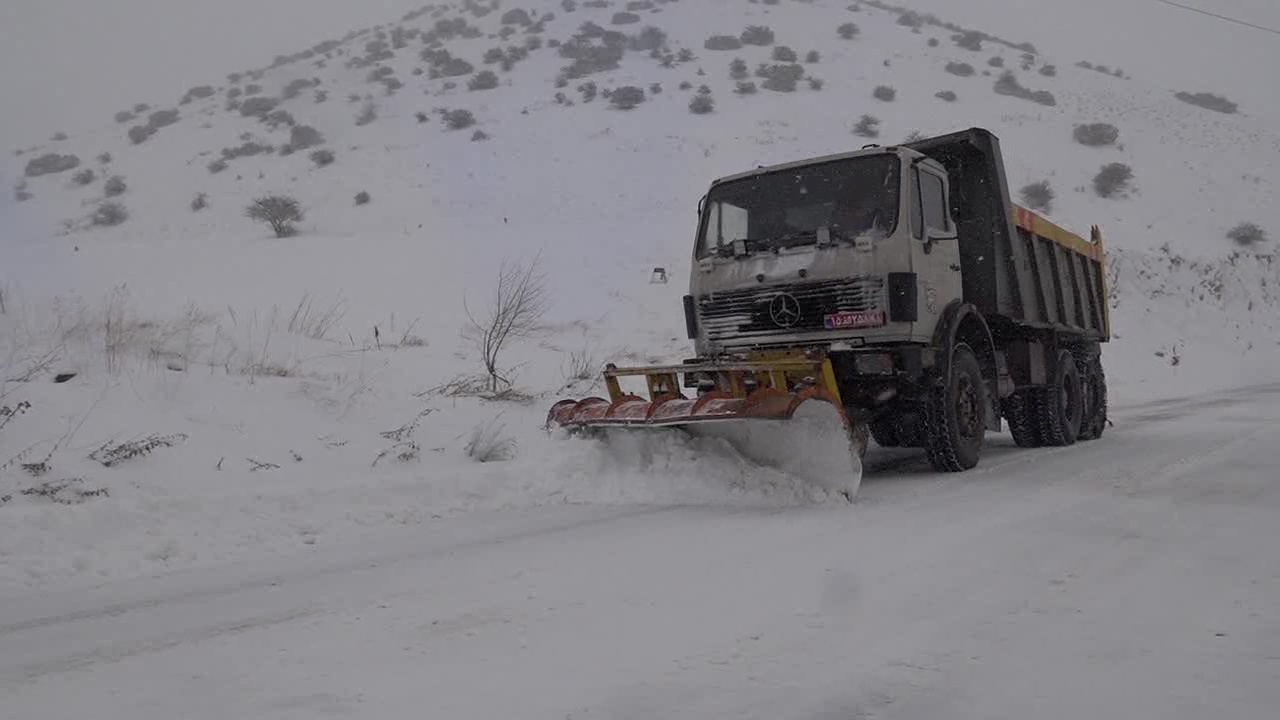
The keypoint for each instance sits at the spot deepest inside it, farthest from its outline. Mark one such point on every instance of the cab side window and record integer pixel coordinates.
(934, 202)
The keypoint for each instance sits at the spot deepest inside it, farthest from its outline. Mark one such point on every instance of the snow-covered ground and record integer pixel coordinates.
(1130, 577)
(301, 392)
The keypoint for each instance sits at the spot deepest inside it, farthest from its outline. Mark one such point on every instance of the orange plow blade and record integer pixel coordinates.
(804, 432)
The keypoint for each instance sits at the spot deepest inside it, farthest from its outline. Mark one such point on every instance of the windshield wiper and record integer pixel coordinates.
(775, 243)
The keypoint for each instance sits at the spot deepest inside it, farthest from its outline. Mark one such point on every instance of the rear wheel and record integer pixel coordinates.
(954, 415)
(1022, 410)
(1063, 408)
(1095, 387)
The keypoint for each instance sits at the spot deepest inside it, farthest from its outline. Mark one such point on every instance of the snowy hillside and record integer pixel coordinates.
(276, 371)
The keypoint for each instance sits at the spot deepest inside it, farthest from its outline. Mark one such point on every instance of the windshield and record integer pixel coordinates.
(786, 208)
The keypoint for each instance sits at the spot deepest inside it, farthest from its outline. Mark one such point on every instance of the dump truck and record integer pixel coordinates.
(890, 293)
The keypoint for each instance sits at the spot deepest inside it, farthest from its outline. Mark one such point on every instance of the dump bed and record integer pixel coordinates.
(1018, 268)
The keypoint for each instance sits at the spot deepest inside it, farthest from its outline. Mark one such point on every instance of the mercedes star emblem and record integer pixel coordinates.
(784, 310)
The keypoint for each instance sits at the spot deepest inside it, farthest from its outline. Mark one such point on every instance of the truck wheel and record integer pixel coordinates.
(1095, 386)
(1022, 409)
(1063, 409)
(954, 422)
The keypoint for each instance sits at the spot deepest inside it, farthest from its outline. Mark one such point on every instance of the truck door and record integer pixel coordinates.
(935, 252)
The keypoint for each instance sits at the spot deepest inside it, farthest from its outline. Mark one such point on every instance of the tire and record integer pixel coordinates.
(1095, 387)
(955, 423)
(1063, 409)
(1022, 411)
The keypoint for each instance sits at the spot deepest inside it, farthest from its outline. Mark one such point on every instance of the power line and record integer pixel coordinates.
(1221, 17)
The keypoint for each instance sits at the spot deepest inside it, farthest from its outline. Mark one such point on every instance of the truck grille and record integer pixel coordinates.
(746, 314)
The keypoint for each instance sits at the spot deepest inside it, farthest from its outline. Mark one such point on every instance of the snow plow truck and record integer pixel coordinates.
(894, 293)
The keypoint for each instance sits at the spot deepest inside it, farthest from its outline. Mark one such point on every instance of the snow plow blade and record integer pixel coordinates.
(783, 413)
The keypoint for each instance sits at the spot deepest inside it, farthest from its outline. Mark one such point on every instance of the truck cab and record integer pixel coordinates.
(850, 250)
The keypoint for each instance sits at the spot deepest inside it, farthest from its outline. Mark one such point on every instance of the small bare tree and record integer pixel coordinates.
(279, 211)
(519, 302)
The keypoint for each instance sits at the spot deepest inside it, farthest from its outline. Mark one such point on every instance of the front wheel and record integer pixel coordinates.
(955, 420)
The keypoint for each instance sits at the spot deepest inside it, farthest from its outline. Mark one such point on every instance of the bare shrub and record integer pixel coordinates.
(738, 69)
(722, 42)
(1208, 101)
(322, 158)
(258, 106)
(1008, 85)
(815, 83)
(960, 69)
(50, 163)
(276, 118)
(84, 177)
(782, 53)
(885, 93)
(1113, 179)
(111, 453)
(813, 56)
(249, 148)
(489, 443)
(746, 88)
(367, 114)
(589, 91)
(199, 202)
(757, 35)
(848, 31)
(199, 92)
(519, 302)
(996, 62)
(1038, 196)
(910, 19)
(139, 134)
(362, 198)
(21, 193)
(105, 158)
(702, 105)
(627, 97)
(162, 118)
(1247, 233)
(479, 136)
(1096, 134)
(302, 137)
(1049, 70)
(969, 40)
(516, 16)
(278, 211)
(780, 78)
(458, 119)
(483, 80)
(109, 214)
(868, 126)
(114, 186)
(295, 87)
(651, 39)
(945, 95)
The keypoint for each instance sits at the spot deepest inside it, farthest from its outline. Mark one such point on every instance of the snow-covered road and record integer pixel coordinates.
(1132, 577)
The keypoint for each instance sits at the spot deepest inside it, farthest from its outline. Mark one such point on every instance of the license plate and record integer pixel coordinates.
(862, 319)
